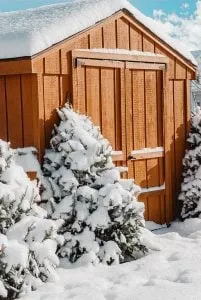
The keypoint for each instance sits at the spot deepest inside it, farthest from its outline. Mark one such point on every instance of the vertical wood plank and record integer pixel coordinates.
(123, 34)
(107, 104)
(52, 62)
(168, 122)
(180, 70)
(80, 81)
(14, 111)
(51, 101)
(109, 35)
(118, 112)
(180, 131)
(96, 38)
(148, 44)
(129, 121)
(160, 104)
(65, 89)
(170, 139)
(135, 39)
(41, 114)
(93, 108)
(35, 113)
(123, 118)
(139, 129)
(27, 110)
(152, 142)
(3, 110)
(171, 60)
(188, 105)
(139, 124)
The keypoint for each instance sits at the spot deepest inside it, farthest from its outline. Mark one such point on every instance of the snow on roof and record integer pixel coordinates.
(27, 32)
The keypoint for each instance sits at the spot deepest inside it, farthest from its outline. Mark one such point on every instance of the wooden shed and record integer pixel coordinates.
(140, 95)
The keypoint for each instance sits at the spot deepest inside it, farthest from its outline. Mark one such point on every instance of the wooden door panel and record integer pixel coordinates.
(108, 105)
(144, 127)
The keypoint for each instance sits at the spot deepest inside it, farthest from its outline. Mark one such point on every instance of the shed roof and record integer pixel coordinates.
(28, 32)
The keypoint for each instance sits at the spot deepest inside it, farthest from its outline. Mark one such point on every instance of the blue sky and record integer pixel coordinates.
(147, 6)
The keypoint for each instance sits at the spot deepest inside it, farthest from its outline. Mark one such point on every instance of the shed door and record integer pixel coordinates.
(126, 100)
(144, 131)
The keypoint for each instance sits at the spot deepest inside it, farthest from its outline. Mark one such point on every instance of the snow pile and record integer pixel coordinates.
(28, 241)
(27, 159)
(191, 186)
(25, 33)
(102, 217)
(172, 272)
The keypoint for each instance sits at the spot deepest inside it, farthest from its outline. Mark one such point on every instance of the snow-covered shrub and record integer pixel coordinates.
(190, 196)
(102, 217)
(28, 241)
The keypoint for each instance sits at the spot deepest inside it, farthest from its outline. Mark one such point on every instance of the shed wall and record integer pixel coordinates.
(18, 109)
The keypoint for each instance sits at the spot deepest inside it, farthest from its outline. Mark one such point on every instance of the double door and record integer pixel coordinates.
(125, 98)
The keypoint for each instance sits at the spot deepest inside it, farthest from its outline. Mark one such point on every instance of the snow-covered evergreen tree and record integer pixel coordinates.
(28, 242)
(190, 196)
(103, 218)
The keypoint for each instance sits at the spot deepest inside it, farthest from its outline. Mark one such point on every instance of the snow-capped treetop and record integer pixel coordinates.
(25, 33)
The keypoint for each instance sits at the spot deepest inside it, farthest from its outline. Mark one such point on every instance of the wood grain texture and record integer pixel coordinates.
(180, 70)
(27, 110)
(93, 105)
(135, 39)
(41, 115)
(53, 63)
(14, 111)
(129, 120)
(95, 38)
(117, 108)
(51, 101)
(180, 131)
(107, 102)
(152, 141)
(139, 124)
(65, 89)
(109, 35)
(3, 110)
(148, 44)
(123, 31)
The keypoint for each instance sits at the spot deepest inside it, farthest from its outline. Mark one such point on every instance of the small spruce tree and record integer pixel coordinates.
(102, 217)
(28, 241)
(190, 196)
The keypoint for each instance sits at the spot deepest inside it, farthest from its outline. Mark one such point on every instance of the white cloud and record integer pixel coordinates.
(158, 13)
(185, 5)
(182, 27)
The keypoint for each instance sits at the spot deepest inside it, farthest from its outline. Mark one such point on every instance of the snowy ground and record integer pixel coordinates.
(171, 271)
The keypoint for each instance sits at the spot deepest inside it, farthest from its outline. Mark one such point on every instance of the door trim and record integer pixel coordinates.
(107, 54)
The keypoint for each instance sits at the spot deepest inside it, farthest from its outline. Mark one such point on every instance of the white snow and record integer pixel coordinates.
(25, 33)
(147, 150)
(3, 291)
(170, 272)
(153, 189)
(27, 159)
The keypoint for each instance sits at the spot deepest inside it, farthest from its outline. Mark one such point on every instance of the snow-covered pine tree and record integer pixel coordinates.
(190, 196)
(102, 217)
(28, 242)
